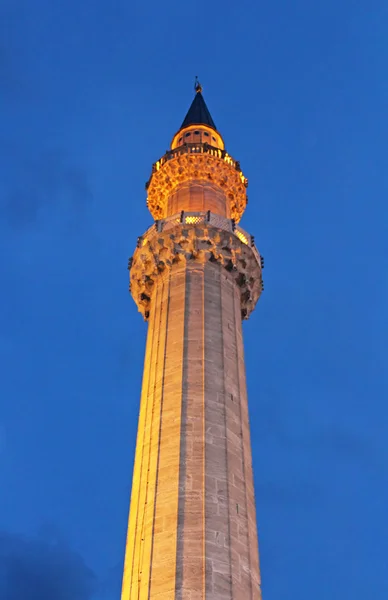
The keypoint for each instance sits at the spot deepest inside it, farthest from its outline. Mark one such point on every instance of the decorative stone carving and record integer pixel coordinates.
(158, 252)
(195, 167)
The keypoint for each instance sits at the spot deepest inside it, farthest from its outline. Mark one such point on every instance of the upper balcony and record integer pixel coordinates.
(196, 162)
(201, 148)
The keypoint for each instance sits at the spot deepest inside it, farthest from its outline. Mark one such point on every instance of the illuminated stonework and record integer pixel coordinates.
(195, 275)
(160, 251)
(188, 164)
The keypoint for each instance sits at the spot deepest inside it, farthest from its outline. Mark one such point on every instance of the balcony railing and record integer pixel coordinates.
(194, 218)
(202, 148)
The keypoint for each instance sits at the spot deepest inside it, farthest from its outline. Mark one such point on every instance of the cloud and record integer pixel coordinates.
(49, 181)
(42, 569)
(348, 445)
(298, 492)
(301, 431)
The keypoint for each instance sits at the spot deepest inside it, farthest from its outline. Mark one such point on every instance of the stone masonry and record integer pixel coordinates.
(192, 527)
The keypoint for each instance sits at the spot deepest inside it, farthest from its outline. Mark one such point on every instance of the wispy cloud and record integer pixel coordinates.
(346, 444)
(41, 569)
(49, 181)
(299, 492)
(335, 440)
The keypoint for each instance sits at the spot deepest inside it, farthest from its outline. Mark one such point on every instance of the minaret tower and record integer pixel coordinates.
(194, 276)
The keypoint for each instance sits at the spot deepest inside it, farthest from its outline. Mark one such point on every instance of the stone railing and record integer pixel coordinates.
(196, 162)
(194, 218)
(199, 237)
(202, 148)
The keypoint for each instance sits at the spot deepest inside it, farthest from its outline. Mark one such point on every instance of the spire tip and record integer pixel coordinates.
(197, 85)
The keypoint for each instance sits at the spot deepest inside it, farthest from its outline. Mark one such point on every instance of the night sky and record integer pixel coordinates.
(91, 93)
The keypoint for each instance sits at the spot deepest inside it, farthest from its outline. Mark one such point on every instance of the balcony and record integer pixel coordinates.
(194, 218)
(202, 148)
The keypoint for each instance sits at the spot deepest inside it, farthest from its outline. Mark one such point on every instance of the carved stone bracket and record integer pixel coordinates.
(191, 167)
(160, 251)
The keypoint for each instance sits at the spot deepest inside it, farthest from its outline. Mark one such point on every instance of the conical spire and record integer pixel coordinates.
(198, 113)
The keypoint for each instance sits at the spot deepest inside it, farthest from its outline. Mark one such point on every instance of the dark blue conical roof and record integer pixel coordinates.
(198, 113)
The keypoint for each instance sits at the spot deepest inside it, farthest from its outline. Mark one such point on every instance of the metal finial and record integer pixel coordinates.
(197, 85)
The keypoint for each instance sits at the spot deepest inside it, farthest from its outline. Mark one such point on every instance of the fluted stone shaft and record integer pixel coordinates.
(192, 527)
(198, 196)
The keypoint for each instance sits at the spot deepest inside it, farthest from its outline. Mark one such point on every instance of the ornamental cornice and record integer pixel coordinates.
(159, 252)
(196, 163)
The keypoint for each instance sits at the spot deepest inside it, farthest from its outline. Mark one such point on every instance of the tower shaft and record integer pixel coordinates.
(192, 528)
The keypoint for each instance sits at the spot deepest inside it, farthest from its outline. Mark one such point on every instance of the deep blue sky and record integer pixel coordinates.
(91, 93)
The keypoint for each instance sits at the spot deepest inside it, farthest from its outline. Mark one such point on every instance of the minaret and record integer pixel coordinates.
(194, 276)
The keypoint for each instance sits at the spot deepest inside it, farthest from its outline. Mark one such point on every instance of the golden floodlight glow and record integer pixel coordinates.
(192, 220)
(241, 237)
(194, 276)
(181, 167)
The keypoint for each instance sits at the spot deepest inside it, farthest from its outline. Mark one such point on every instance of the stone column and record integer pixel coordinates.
(192, 527)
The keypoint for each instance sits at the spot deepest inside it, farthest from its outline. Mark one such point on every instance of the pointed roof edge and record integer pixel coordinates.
(198, 113)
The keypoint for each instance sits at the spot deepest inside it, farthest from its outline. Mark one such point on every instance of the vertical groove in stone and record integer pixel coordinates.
(163, 574)
(252, 538)
(161, 310)
(242, 399)
(190, 525)
(224, 327)
(217, 509)
(136, 480)
(234, 442)
(137, 577)
(182, 462)
(203, 444)
(159, 425)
